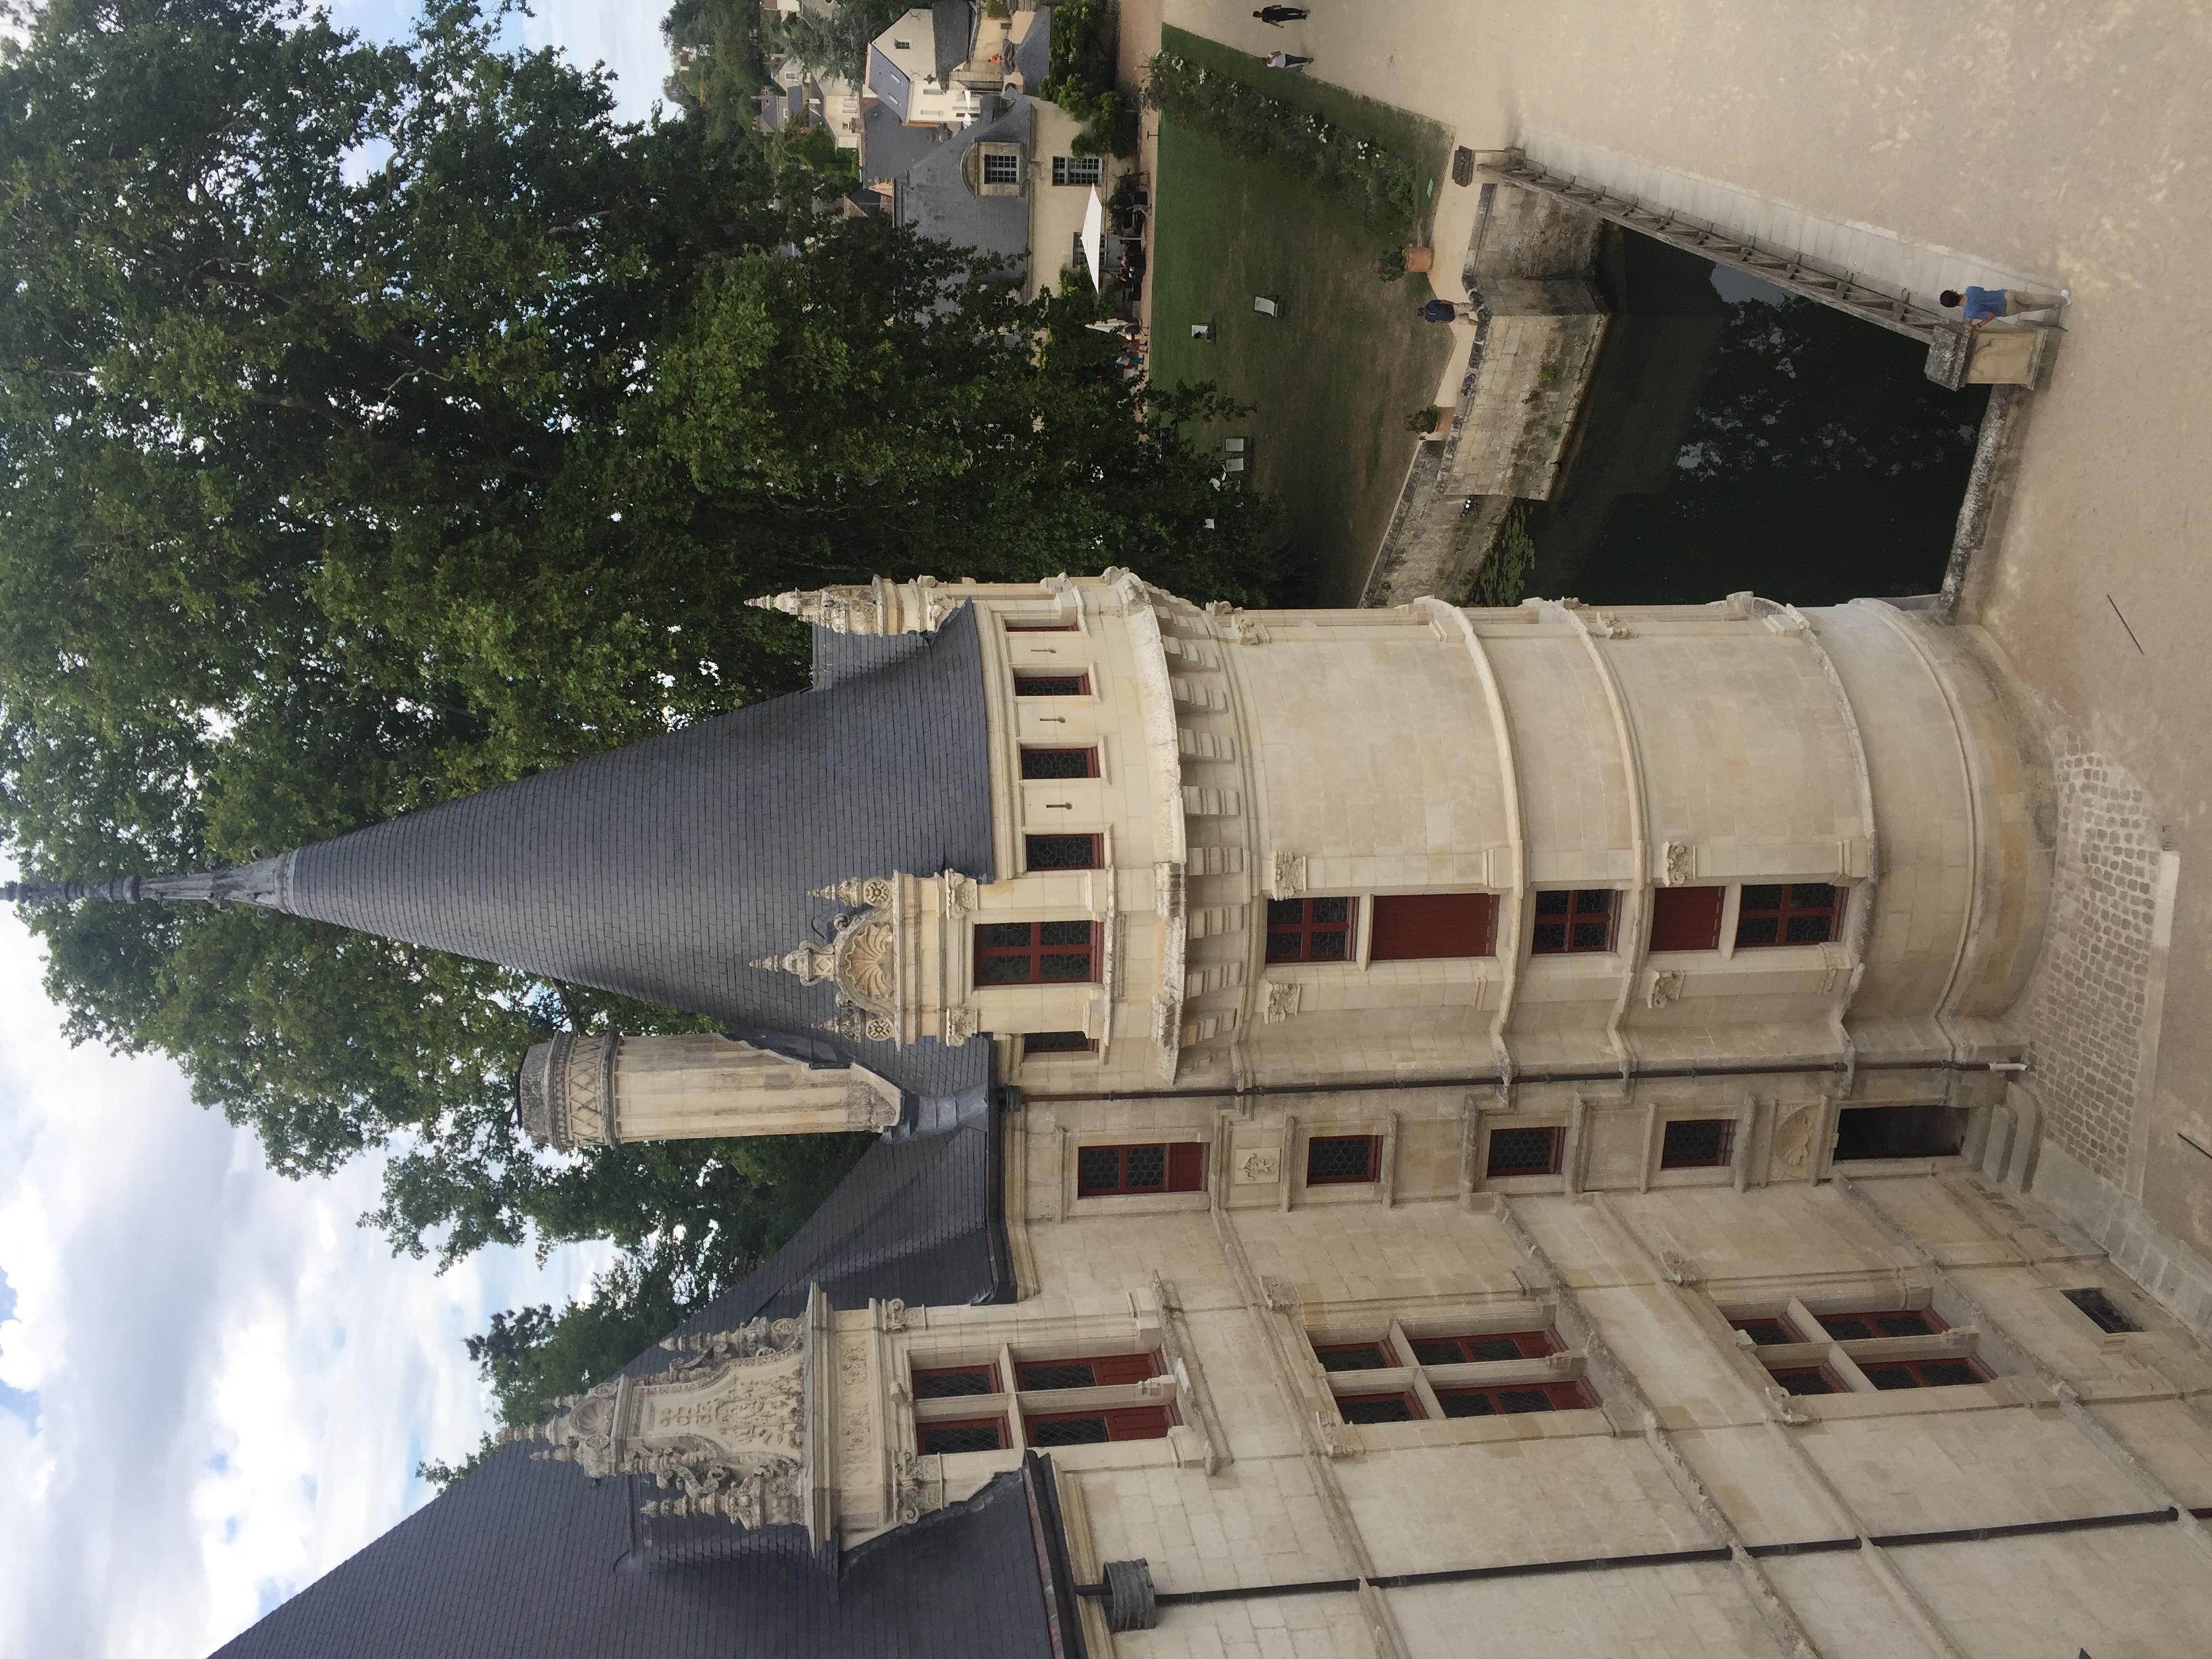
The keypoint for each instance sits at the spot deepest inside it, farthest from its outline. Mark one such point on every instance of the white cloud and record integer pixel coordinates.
(221, 1384)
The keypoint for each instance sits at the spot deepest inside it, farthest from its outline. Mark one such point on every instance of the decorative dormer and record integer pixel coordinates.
(899, 961)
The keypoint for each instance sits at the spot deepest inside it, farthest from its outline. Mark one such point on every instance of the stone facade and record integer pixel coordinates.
(1671, 1289)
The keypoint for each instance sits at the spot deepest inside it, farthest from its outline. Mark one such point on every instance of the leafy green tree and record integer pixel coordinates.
(378, 423)
(836, 42)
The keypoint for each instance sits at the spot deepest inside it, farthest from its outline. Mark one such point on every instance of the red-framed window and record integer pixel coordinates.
(1097, 1428)
(1380, 1408)
(1342, 1159)
(1519, 1398)
(1880, 1323)
(1311, 929)
(1041, 761)
(1925, 1373)
(1037, 952)
(1797, 913)
(1015, 626)
(1097, 1370)
(1479, 1348)
(1175, 1166)
(1568, 923)
(1768, 1332)
(1422, 926)
(1051, 685)
(1696, 1143)
(1064, 851)
(1687, 918)
(1037, 1043)
(1524, 1153)
(955, 1381)
(1809, 1379)
(1355, 1356)
(972, 1434)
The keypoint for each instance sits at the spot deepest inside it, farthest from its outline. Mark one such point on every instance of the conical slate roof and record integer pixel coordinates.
(664, 870)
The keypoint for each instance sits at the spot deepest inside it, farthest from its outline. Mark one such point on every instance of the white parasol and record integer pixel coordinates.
(1094, 233)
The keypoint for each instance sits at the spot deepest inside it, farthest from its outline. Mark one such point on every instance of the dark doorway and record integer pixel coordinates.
(1736, 436)
(1864, 1132)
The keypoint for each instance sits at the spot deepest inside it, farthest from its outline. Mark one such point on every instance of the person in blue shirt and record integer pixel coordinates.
(1986, 305)
(1444, 311)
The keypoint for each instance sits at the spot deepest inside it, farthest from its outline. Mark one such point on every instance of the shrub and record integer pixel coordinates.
(1263, 128)
(1502, 579)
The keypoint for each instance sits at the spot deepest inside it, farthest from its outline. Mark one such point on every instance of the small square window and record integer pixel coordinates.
(1342, 1159)
(1800, 913)
(978, 1434)
(1925, 1374)
(1872, 1327)
(2107, 1315)
(1036, 1043)
(1425, 927)
(1051, 685)
(1311, 929)
(1001, 168)
(1063, 852)
(1484, 1348)
(1058, 762)
(1175, 1166)
(1098, 1372)
(1035, 952)
(1809, 1379)
(1355, 1356)
(1570, 922)
(1379, 1407)
(1696, 1143)
(1687, 918)
(1767, 1332)
(1524, 1153)
(1508, 1402)
(955, 1381)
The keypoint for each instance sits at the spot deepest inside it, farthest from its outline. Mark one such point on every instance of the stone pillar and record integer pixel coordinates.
(599, 1091)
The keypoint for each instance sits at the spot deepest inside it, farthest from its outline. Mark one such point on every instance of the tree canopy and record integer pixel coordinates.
(381, 423)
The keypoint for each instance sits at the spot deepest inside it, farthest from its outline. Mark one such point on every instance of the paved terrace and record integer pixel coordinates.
(2009, 142)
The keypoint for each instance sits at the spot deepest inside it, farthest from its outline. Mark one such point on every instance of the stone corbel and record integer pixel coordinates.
(1286, 875)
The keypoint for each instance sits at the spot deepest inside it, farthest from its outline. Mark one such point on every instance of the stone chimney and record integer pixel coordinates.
(602, 1089)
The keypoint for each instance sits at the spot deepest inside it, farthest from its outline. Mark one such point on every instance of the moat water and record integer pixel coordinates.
(1735, 436)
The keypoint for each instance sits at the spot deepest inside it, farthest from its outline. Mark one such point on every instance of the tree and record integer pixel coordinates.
(828, 43)
(379, 423)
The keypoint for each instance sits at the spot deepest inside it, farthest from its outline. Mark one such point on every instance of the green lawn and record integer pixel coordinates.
(1333, 378)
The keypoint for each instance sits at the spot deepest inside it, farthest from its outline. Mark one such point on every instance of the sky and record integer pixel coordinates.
(214, 1384)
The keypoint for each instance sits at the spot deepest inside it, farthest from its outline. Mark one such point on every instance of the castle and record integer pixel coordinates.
(1402, 1132)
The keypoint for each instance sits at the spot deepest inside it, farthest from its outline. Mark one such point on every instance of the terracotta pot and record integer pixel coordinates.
(1420, 258)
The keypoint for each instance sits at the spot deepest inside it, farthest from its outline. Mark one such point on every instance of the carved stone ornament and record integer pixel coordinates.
(862, 960)
(724, 1427)
(960, 1025)
(1678, 864)
(1262, 1166)
(1289, 874)
(1793, 1137)
(1666, 988)
(918, 1486)
(566, 1091)
(963, 894)
(871, 892)
(897, 1316)
(1282, 1000)
(840, 609)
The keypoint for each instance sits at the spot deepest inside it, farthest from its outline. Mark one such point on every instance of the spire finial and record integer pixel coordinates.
(265, 882)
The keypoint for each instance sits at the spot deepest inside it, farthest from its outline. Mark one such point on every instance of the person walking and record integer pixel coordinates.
(1986, 305)
(1285, 60)
(1279, 16)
